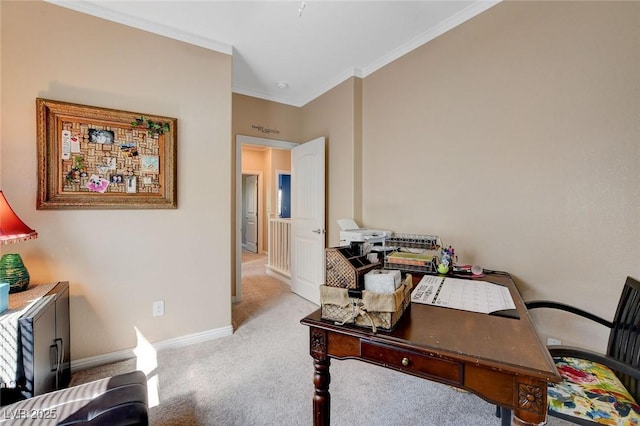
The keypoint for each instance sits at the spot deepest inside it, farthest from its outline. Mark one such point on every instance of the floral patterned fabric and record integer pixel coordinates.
(593, 392)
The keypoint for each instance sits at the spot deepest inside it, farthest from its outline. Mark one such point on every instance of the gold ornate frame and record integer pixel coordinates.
(99, 158)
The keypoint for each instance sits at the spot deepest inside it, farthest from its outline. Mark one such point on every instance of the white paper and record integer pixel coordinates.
(132, 185)
(75, 144)
(466, 295)
(66, 144)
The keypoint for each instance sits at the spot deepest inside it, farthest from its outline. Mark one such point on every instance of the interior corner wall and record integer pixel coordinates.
(514, 137)
(118, 262)
(357, 150)
(333, 115)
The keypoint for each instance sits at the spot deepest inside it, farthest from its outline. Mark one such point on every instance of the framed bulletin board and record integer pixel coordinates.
(99, 158)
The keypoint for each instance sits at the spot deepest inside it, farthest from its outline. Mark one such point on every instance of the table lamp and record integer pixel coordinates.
(13, 230)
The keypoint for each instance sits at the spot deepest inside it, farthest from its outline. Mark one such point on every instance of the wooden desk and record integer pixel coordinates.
(502, 360)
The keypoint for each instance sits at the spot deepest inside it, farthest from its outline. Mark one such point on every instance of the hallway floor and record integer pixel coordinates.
(259, 290)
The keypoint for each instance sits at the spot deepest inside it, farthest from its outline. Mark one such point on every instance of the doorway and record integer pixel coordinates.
(245, 141)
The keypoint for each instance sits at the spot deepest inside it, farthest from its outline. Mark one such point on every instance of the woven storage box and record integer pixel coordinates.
(345, 268)
(372, 310)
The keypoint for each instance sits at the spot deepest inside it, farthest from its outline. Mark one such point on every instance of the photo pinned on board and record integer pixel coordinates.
(101, 136)
(97, 184)
(117, 179)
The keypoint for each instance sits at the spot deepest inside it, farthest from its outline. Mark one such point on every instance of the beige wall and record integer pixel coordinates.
(1, 44)
(515, 138)
(334, 115)
(265, 119)
(256, 161)
(118, 262)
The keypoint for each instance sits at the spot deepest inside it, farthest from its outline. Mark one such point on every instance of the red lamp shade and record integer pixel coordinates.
(12, 229)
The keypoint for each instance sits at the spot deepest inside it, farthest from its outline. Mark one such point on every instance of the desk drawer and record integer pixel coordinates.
(423, 365)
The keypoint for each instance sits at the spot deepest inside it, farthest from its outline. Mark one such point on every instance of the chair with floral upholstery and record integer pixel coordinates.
(598, 388)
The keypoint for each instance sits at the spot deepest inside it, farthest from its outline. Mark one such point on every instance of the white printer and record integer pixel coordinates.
(351, 232)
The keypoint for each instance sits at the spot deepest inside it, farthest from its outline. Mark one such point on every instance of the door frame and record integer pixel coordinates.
(240, 141)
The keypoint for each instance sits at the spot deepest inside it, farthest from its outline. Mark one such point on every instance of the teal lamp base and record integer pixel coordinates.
(13, 272)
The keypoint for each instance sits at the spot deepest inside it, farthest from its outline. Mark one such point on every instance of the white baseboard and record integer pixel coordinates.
(272, 272)
(178, 342)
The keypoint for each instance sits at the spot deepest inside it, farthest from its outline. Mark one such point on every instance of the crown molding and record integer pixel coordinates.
(93, 9)
(464, 15)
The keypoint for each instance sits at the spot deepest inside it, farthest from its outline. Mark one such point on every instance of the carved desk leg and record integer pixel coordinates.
(321, 378)
(531, 408)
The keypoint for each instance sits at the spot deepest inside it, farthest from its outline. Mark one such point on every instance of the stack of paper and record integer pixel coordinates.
(416, 259)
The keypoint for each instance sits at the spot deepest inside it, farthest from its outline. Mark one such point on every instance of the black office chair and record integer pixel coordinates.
(598, 388)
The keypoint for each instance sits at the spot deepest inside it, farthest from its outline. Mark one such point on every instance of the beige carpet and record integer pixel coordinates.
(249, 256)
(259, 290)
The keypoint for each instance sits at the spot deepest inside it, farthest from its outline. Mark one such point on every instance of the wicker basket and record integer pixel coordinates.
(340, 306)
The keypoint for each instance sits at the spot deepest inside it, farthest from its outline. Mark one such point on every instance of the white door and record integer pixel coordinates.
(308, 219)
(250, 210)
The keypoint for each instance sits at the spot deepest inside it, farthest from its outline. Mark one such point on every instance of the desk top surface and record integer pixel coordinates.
(493, 341)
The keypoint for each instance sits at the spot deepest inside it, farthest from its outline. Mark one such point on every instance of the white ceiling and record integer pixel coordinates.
(311, 46)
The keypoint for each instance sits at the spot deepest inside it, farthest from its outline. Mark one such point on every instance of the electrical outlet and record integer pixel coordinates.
(553, 342)
(158, 308)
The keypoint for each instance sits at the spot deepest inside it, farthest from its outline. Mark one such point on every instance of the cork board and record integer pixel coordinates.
(100, 158)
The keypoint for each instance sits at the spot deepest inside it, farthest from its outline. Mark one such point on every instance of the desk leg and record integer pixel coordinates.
(321, 397)
(321, 378)
(505, 416)
(531, 408)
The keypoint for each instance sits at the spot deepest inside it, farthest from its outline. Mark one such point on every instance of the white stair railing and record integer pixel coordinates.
(279, 246)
